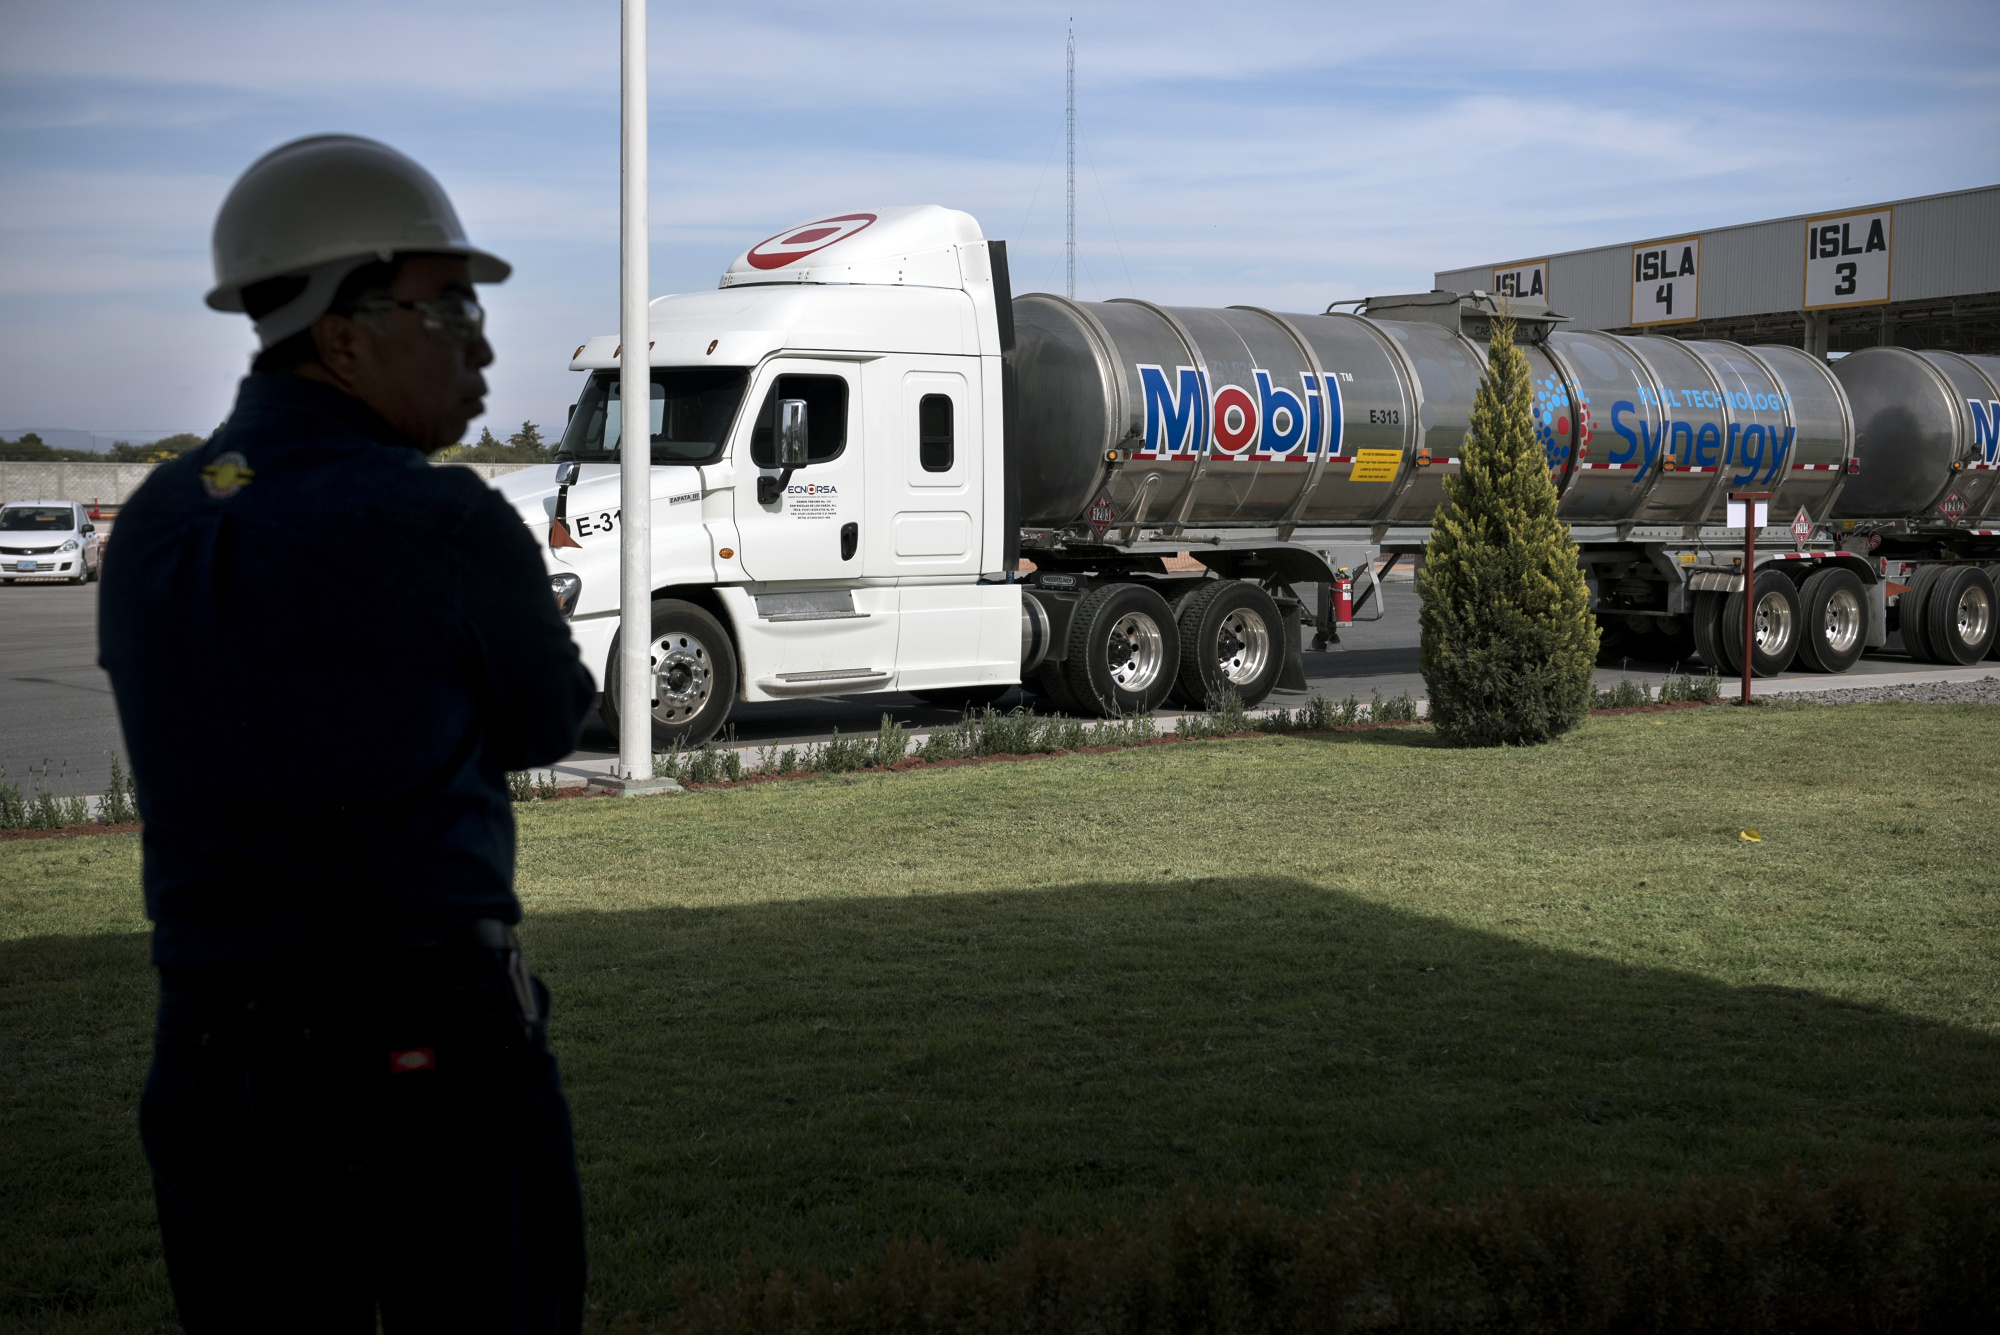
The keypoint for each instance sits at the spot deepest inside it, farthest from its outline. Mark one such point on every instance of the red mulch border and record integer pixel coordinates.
(71, 831)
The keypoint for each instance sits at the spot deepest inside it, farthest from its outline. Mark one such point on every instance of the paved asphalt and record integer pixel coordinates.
(56, 706)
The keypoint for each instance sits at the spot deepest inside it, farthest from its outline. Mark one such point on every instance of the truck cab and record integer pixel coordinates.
(880, 563)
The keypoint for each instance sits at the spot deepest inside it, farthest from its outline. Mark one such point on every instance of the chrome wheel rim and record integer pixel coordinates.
(1242, 646)
(1843, 621)
(1137, 651)
(683, 678)
(1975, 614)
(1774, 624)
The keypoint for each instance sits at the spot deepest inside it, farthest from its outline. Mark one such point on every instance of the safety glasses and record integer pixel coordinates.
(459, 319)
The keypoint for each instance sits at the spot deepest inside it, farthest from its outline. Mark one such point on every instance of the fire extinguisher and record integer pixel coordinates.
(1343, 599)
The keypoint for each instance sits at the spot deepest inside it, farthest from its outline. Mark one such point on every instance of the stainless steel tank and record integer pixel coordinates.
(1914, 432)
(1133, 413)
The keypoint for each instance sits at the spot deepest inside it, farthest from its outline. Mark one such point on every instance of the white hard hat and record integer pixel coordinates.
(318, 209)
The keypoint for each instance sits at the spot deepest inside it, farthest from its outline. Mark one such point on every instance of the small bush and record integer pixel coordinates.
(892, 743)
(120, 803)
(13, 807)
(1402, 709)
(1225, 717)
(840, 755)
(1867, 1252)
(1625, 695)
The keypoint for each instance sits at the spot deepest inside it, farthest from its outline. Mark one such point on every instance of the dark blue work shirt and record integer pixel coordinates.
(327, 653)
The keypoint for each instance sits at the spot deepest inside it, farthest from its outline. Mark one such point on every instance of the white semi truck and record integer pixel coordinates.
(858, 437)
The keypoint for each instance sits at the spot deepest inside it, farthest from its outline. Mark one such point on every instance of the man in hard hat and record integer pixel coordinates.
(327, 655)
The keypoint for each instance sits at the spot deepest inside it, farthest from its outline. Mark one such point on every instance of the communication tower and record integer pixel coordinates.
(1070, 289)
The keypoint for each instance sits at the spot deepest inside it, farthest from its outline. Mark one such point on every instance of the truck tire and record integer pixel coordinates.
(1778, 624)
(694, 666)
(1836, 620)
(1911, 616)
(1124, 652)
(1232, 639)
(1704, 623)
(1958, 616)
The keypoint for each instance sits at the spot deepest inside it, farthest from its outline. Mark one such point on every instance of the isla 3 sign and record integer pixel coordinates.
(1666, 281)
(1847, 259)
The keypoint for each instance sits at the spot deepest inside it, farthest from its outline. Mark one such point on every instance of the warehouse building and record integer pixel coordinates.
(1915, 273)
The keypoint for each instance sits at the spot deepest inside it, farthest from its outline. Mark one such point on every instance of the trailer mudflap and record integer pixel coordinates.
(1292, 677)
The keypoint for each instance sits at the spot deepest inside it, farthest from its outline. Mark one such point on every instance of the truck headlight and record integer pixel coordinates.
(69, 546)
(567, 588)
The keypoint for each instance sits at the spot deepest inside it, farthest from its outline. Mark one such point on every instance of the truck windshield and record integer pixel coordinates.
(37, 519)
(692, 411)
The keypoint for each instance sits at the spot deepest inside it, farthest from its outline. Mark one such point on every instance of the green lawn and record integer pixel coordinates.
(801, 1019)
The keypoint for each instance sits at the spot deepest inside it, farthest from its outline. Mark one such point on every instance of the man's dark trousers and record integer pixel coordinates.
(342, 1136)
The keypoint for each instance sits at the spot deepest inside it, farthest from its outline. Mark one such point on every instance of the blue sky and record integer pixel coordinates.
(1278, 154)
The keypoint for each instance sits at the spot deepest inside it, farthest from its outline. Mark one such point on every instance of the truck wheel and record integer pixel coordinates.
(694, 676)
(1912, 618)
(1124, 651)
(1232, 639)
(1958, 616)
(1776, 636)
(963, 697)
(1705, 623)
(1836, 620)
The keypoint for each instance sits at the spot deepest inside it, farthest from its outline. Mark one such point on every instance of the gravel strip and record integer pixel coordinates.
(1985, 691)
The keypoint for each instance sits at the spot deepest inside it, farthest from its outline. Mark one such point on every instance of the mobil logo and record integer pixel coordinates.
(1986, 427)
(795, 243)
(1263, 420)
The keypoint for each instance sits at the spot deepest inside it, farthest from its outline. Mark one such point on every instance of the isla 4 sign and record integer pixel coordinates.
(1530, 279)
(1847, 259)
(1666, 281)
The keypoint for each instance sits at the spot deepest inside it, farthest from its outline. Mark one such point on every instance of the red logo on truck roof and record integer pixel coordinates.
(795, 243)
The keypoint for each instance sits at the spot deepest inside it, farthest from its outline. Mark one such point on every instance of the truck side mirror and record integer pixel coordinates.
(791, 450)
(567, 471)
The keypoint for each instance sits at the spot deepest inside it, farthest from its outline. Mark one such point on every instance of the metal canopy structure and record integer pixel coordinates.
(1914, 273)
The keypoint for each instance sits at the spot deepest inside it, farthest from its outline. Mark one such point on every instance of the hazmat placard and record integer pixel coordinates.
(1847, 259)
(1376, 465)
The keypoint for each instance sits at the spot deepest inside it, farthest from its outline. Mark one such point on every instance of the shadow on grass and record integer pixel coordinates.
(804, 1082)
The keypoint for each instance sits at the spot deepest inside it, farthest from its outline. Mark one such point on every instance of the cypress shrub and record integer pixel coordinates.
(1509, 641)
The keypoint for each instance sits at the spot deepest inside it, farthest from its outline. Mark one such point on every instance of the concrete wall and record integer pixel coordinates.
(113, 484)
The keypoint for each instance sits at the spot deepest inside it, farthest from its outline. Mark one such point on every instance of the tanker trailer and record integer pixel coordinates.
(1927, 429)
(1259, 441)
(936, 428)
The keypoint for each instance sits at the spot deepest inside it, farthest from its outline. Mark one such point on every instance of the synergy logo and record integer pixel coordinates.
(1986, 427)
(795, 243)
(1267, 421)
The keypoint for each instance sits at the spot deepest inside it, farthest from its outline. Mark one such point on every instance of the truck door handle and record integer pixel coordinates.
(850, 538)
